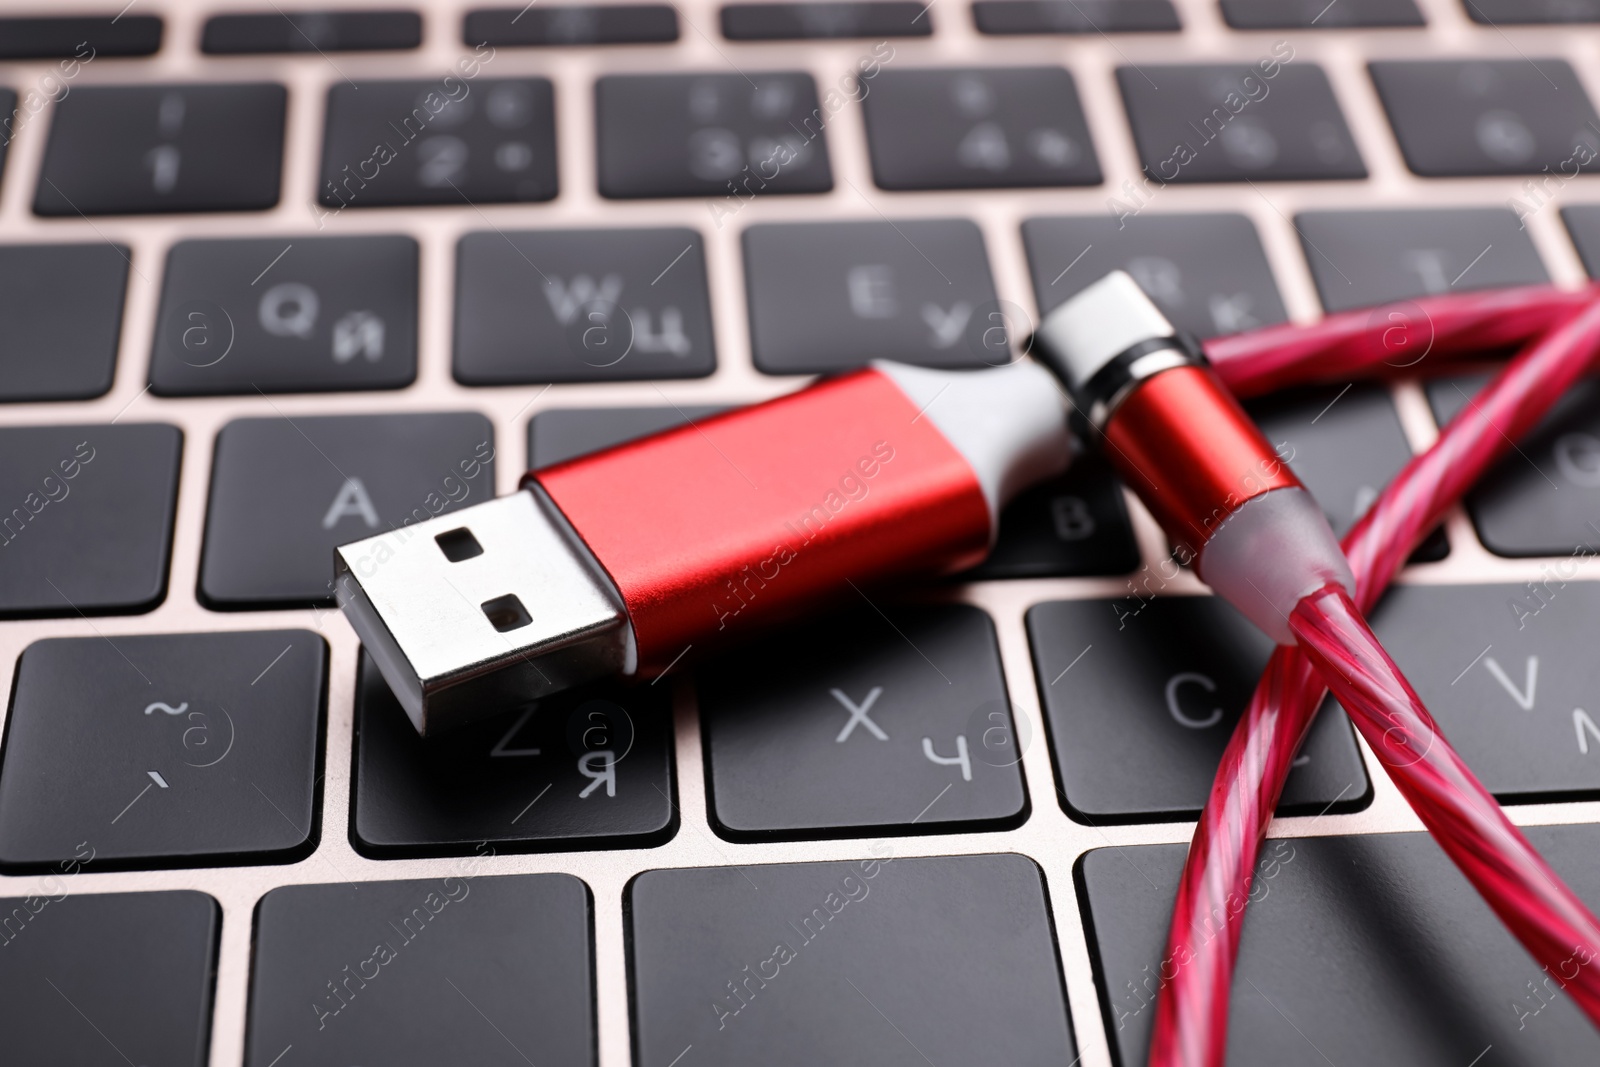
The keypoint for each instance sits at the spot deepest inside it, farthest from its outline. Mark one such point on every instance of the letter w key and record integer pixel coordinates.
(569, 298)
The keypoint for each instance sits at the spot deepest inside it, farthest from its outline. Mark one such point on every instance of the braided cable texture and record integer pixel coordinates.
(1192, 1009)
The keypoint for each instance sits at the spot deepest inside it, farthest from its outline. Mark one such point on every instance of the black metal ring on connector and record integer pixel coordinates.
(1100, 395)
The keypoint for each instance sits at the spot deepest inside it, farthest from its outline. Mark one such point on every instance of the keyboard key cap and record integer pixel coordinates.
(1363, 258)
(62, 306)
(1225, 123)
(1346, 445)
(447, 141)
(581, 306)
(1508, 671)
(998, 127)
(140, 965)
(1320, 14)
(571, 24)
(586, 769)
(12, 121)
(88, 519)
(1143, 695)
(79, 37)
(1007, 17)
(311, 31)
(811, 968)
(1073, 525)
(164, 750)
(1207, 273)
(509, 980)
(1583, 225)
(286, 492)
(287, 315)
(825, 19)
(1380, 928)
(1544, 498)
(855, 724)
(560, 434)
(1468, 117)
(710, 135)
(1532, 12)
(139, 149)
(834, 295)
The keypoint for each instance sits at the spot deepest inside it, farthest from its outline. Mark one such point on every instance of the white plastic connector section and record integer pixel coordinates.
(1099, 324)
(1009, 422)
(1271, 553)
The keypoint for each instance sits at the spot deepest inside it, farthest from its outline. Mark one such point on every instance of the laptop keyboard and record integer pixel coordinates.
(147, 149)
(272, 281)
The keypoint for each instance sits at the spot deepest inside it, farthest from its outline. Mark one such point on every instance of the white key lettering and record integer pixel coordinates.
(1524, 699)
(605, 774)
(947, 326)
(1182, 717)
(958, 760)
(858, 714)
(352, 500)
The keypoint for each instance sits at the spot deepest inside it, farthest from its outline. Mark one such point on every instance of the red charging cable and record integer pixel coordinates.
(1232, 508)
(1391, 338)
(1192, 1011)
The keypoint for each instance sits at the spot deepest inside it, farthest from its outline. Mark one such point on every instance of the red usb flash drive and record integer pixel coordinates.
(622, 561)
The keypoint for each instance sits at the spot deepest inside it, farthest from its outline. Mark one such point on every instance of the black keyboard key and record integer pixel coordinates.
(1457, 118)
(714, 135)
(1269, 122)
(1532, 12)
(1320, 14)
(812, 963)
(1208, 273)
(1070, 526)
(581, 306)
(141, 149)
(859, 723)
(1379, 928)
(83, 37)
(169, 749)
(571, 24)
(1143, 695)
(1509, 673)
(447, 141)
(1346, 445)
(311, 31)
(1544, 498)
(85, 977)
(1583, 224)
(834, 295)
(992, 128)
(1010, 17)
(89, 517)
(457, 968)
(286, 492)
(287, 315)
(62, 306)
(560, 434)
(585, 769)
(12, 120)
(825, 19)
(1363, 258)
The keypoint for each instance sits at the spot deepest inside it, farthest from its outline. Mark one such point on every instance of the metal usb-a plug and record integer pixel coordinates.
(476, 610)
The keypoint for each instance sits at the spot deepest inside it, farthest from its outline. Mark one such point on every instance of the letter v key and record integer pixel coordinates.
(1524, 700)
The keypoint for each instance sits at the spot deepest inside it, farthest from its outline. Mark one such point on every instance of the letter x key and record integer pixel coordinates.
(858, 714)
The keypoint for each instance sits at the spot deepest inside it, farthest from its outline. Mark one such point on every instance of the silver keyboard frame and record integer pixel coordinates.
(1048, 836)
